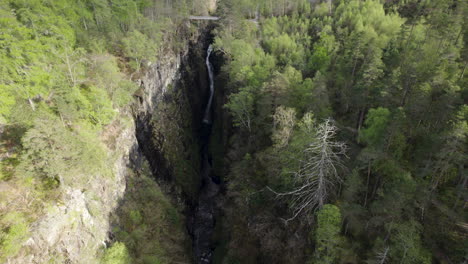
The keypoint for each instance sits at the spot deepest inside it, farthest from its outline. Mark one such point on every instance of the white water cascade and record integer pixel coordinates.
(203, 222)
(207, 116)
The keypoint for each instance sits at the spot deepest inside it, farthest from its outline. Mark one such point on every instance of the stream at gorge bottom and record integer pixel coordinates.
(203, 219)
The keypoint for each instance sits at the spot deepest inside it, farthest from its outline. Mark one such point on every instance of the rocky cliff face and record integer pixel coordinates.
(157, 130)
(75, 229)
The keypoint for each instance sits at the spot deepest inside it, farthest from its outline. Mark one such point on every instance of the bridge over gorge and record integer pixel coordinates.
(203, 18)
(254, 20)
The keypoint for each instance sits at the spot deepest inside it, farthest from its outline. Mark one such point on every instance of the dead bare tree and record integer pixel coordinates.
(382, 256)
(318, 173)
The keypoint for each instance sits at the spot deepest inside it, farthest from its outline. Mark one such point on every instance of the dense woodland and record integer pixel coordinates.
(350, 144)
(346, 122)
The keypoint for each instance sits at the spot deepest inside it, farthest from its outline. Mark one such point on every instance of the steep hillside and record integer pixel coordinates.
(92, 94)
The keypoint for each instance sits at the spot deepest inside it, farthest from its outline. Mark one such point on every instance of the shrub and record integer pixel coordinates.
(116, 254)
(13, 231)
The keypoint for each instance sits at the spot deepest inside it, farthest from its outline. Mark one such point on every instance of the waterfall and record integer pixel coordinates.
(203, 222)
(207, 117)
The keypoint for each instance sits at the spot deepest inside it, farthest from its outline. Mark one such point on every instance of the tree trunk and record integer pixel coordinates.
(367, 184)
(405, 94)
(32, 104)
(376, 186)
(85, 25)
(361, 119)
(461, 186)
(463, 71)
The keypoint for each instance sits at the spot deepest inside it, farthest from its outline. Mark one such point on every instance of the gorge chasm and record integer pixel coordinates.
(182, 93)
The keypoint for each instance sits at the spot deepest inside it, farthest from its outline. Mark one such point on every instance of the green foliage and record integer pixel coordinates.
(327, 235)
(147, 225)
(376, 123)
(250, 66)
(14, 229)
(104, 72)
(285, 49)
(407, 244)
(135, 216)
(123, 95)
(395, 71)
(173, 216)
(287, 40)
(181, 154)
(61, 85)
(116, 254)
(365, 31)
(64, 77)
(100, 110)
(53, 151)
(291, 156)
(241, 107)
(138, 46)
(393, 76)
(7, 100)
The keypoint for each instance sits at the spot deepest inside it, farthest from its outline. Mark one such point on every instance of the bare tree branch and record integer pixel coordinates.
(318, 173)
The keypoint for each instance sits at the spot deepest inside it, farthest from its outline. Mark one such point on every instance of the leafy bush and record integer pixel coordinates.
(51, 150)
(376, 124)
(138, 46)
(13, 231)
(100, 111)
(103, 72)
(135, 216)
(117, 254)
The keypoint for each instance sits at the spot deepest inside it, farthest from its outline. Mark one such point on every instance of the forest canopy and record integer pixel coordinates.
(389, 78)
(343, 136)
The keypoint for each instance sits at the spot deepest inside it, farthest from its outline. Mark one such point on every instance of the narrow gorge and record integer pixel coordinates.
(185, 96)
(203, 218)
